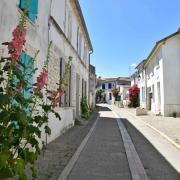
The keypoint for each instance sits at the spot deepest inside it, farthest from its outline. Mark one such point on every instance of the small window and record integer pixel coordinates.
(110, 96)
(69, 25)
(109, 86)
(103, 86)
(32, 9)
(153, 96)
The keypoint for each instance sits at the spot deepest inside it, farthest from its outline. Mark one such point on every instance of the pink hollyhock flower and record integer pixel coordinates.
(52, 93)
(16, 45)
(57, 100)
(42, 79)
(18, 87)
(15, 56)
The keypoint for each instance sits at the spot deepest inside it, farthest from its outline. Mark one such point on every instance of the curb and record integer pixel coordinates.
(159, 132)
(135, 165)
(67, 170)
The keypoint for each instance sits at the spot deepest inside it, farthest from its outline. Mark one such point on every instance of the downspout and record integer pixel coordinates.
(90, 52)
(146, 88)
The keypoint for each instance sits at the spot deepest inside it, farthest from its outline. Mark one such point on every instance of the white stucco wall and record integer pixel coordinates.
(38, 37)
(164, 68)
(154, 75)
(80, 62)
(141, 82)
(171, 59)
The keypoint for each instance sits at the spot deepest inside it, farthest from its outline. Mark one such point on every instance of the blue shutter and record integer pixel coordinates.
(110, 96)
(26, 59)
(32, 6)
(103, 86)
(33, 9)
(109, 86)
(22, 4)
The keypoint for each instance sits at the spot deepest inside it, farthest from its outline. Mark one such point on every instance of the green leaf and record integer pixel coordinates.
(33, 142)
(46, 108)
(34, 173)
(23, 177)
(18, 166)
(34, 130)
(6, 172)
(47, 130)
(4, 117)
(4, 99)
(4, 156)
(57, 115)
(28, 156)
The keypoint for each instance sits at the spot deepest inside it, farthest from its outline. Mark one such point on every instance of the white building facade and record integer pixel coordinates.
(160, 77)
(122, 84)
(62, 23)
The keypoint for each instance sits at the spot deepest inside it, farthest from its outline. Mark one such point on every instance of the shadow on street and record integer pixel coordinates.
(155, 165)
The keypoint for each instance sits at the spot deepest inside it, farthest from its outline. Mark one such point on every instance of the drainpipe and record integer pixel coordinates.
(146, 88)
(90, 52)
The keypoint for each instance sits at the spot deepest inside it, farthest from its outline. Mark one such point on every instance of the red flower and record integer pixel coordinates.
(16, 45)
(57, 100)
(61, 92)
(42, 79)
(52, 93)
(15, 56)
(18, 87)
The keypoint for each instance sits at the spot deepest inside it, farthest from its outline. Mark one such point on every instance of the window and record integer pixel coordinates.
(70, 75)
(103, 86)
(153, 96)
(61, 72)
(85, 55)
(109, 86)
(79, 42)
(32, 8)
(85, 88)
(143, 94)
(110, 96)
(82, 88)
(69, 25)
(65, 100)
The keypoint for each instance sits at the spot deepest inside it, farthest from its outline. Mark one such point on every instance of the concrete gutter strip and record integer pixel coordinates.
(161, 133)
(65, 173)
(135, 164)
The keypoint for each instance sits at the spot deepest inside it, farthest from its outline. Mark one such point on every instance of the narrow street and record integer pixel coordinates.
(105, 155)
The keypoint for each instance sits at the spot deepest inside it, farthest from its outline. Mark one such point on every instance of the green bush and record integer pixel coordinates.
(85, 111)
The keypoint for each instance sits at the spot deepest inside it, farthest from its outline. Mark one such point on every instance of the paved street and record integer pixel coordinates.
(104, 156)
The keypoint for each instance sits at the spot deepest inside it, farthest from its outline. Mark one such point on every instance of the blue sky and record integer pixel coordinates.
(123, 32)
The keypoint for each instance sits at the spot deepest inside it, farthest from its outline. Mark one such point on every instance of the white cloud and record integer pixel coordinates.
(133, 65)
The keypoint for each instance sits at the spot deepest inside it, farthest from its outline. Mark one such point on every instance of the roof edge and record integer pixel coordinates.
(84, 23)
(159, 43)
